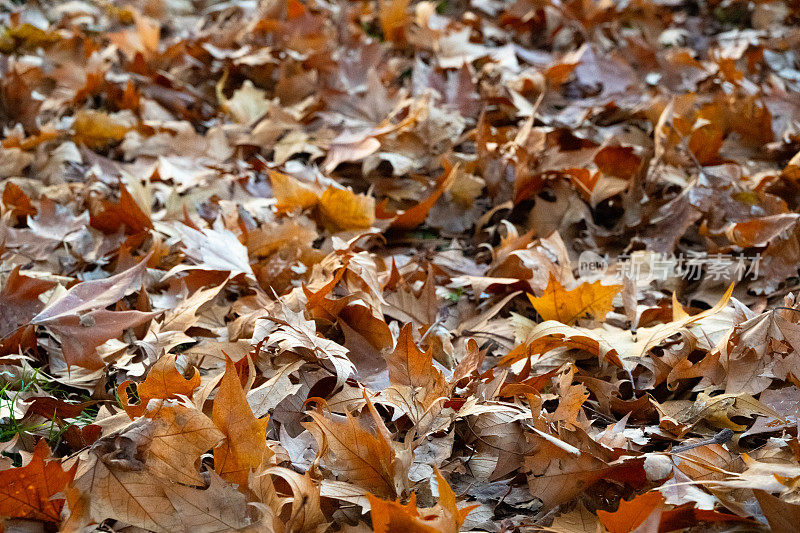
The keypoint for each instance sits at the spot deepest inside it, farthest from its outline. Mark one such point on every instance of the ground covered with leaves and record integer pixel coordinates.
(400, 266)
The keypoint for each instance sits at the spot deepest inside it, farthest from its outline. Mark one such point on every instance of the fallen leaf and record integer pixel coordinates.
(588, 299)
(27, 491)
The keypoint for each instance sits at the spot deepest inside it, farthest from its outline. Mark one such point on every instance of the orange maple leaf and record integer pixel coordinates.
(26, 492)
(631, 514)
(163, 382)
(394, 517)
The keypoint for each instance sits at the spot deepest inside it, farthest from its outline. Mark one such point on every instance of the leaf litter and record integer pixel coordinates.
(399, 265)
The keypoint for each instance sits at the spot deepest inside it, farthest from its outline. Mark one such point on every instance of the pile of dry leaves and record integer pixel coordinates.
(306, 266)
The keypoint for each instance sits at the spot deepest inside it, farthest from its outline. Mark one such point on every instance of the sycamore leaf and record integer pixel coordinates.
(290, 193)
(19, 299)
(81, 323)
(137, 497)
(419, 308)
(184, 315)
(356, 454)
(214, 249)
(245, 445)
(27, 492)
(163, 382)
(17, 201)
(179, 436)
(97, 130)
(621, 347)
(293, 332)
(247, 104)
(781, 515)
(92, 294)
(559, 471)
(587, 299)
(409, 366)
(414, 216)
(304, 503)
(56, 222)
(134, 475)
(347, 210)
(418, 387)
(394, 18)
(126, 213)
(216, 509)
(645, 508)
(339, 208)
(395, 517)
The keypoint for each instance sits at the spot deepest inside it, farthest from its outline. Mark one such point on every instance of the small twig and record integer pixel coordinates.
(435, 324)
(720, 438)
(473, 333)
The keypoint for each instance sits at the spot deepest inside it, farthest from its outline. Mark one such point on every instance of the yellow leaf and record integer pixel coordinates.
(394, 18)
(588, 299)
(97, 130)
(290, 193)
(347, 210)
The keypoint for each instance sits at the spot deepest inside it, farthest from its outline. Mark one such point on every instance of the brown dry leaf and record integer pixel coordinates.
(418, 387)
(163, 382)
(781, 515)
(343, 202)
(82, 324)
(126, 213)
(179, 436)
(643, 511)
(394, 18)
(214, 249)
(290, 193)
(360, 455)
(414, 216)
(15, 199)
(304, 504)
(117, 477)
(20, 301)
(409, 366)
